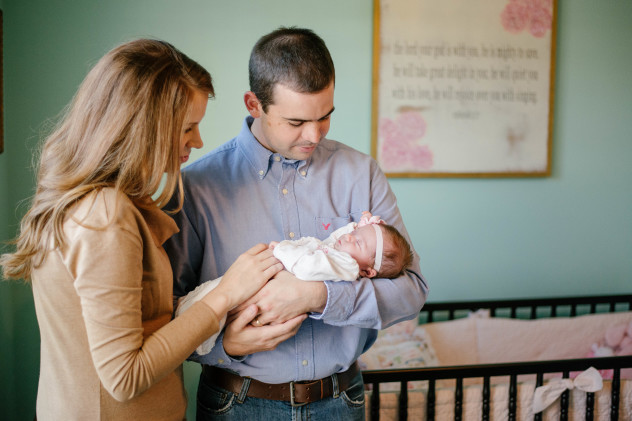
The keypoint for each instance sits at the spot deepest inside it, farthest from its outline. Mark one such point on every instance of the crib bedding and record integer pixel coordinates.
(499, 396)
(479, 340)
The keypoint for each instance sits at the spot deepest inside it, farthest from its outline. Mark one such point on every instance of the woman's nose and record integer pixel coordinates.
(196, 142)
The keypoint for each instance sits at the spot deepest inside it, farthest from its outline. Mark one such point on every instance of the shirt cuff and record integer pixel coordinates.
(340, 301)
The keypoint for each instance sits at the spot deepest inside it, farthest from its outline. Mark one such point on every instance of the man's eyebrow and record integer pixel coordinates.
(298, 120)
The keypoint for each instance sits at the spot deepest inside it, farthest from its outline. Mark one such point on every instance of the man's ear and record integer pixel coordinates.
(368, 273)
(252, 104)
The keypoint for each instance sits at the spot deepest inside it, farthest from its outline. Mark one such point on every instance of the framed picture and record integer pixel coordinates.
(463, 88)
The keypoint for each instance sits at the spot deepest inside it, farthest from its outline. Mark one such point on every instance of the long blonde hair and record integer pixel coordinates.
(121, 130)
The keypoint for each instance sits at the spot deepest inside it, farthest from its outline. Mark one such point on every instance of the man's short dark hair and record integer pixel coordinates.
(294, 57)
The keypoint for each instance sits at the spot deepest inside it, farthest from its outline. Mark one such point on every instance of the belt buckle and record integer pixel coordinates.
(294, 404)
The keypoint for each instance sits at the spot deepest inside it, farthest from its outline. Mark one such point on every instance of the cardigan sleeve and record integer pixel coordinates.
(116, 281)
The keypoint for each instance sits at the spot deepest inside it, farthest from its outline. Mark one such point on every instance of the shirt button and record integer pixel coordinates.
(303, 173)
(304, 362)
(284, 191)
(221, 361)
(277, 158)
(291, 235)
(261, 172)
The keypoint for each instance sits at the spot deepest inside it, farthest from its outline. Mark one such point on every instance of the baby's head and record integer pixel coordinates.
(397, 255)
(379, 249)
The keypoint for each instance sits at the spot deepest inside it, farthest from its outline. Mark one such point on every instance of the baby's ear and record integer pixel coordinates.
(368, 273)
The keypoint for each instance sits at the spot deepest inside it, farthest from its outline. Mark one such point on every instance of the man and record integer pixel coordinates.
(290, 351)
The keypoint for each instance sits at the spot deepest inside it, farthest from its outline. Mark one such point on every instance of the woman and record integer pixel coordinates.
(91, 242)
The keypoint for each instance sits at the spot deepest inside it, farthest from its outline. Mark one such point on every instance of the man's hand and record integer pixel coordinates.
(285, 297)
(242, 338)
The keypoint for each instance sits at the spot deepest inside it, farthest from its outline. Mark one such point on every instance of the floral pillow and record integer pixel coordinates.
(403, 345)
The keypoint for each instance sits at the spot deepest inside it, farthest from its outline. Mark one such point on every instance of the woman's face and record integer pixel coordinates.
(191, 129)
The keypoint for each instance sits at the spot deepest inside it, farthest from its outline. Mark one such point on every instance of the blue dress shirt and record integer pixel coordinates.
(241, 194)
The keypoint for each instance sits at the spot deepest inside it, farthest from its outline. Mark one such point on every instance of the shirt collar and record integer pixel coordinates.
(260, 158)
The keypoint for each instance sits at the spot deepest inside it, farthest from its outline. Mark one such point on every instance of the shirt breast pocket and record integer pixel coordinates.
(325, 225)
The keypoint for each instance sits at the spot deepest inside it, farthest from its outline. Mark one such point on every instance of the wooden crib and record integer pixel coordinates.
(513, 372)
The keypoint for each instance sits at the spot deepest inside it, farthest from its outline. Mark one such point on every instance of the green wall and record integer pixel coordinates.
(570, 233)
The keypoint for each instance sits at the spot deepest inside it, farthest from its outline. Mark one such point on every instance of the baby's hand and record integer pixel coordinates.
(272, 244)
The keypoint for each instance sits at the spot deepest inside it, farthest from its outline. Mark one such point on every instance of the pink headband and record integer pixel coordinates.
(379, 247)
(368, 219)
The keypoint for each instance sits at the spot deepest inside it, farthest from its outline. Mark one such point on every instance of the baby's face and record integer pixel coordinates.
(360, 244)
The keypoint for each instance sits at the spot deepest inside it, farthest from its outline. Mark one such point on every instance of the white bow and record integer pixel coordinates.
(588, 381)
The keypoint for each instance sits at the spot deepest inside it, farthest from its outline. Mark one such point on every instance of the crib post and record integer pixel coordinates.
(614, 396)
(403, 401)
(486, 393)
(430, 401)
(513, 392)
(564, 401)
(539, 379)
(375, 402)
(590, 406)
(458, 399)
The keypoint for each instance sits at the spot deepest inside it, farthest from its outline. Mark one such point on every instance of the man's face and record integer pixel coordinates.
(295, 122)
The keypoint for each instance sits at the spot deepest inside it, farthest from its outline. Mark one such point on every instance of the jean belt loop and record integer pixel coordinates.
(244, 390)
(334, 385)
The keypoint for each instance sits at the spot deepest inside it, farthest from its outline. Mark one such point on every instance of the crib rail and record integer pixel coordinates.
(486, 371)
(529, 308)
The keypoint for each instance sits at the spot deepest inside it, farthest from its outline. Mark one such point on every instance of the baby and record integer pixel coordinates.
(369, 248)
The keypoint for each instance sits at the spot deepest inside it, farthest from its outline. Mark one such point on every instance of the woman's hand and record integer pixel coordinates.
(243, 279)
(285, 296)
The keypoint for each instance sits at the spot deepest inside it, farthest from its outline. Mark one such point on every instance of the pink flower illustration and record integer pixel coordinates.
(421, 157)
(534, 15)
(399, 146)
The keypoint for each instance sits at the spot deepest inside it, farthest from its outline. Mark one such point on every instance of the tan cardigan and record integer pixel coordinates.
(104, 304)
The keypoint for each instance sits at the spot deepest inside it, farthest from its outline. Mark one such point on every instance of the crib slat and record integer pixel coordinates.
(486, 393)
(564, 399)
(590, 406)
(513, 393)
(614, 396)
(375, 402)
(403, 401)
(430, 402)
(458, 399)
(539, 379)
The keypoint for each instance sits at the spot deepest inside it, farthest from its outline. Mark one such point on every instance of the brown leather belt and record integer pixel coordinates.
(295, 392)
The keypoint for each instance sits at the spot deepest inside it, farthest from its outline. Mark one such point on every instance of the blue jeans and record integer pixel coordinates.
(214, 403)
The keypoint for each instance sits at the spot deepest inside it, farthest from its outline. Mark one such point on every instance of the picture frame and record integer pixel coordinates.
(462, 88)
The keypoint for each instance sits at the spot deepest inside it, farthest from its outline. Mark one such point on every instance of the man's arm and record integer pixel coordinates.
(368, 303)
(378, 303)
